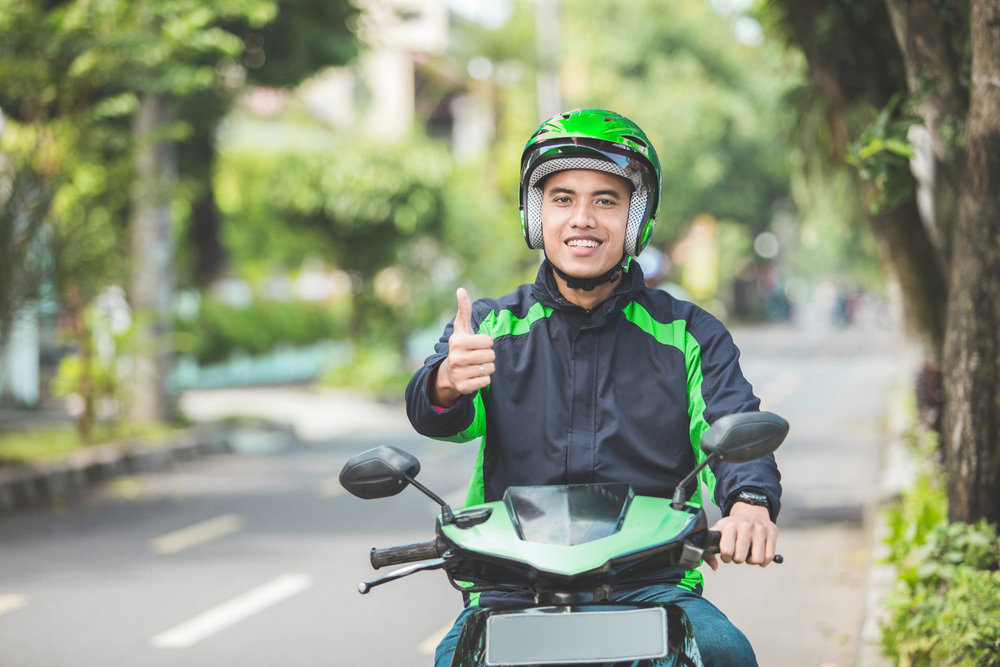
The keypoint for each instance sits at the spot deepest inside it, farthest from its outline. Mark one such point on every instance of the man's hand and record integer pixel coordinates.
(470, 359)
(747, 529)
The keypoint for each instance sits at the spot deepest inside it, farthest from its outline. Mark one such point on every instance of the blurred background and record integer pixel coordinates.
(238, 226)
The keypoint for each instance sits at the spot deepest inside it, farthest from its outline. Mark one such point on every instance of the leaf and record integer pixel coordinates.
(112, 107)
(874, 146)
(900, 147)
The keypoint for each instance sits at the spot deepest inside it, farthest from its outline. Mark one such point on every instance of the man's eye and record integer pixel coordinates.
(607, 202)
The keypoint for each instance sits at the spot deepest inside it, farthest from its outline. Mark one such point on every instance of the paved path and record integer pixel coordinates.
(254, 559)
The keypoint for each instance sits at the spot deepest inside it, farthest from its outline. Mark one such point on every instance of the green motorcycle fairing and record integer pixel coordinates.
(649, 526)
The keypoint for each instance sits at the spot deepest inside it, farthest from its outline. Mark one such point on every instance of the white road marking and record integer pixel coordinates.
(232, 612)
(12, 601)
(427, 646)
(179, 540)
(330, 487)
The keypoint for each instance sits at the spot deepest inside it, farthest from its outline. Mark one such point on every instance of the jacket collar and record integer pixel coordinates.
(546, 291)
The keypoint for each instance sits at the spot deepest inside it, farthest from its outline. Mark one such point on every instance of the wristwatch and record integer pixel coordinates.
(753, 498)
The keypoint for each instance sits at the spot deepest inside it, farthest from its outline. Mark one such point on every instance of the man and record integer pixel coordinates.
(588, 376)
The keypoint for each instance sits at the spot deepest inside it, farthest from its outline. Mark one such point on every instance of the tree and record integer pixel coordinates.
(74, 73)
(940, 56)
(304, 37)
(972, 344)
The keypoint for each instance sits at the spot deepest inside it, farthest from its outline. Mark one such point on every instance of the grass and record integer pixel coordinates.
(53, 444)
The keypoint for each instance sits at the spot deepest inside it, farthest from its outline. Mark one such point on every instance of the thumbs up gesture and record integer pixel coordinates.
(470, 359)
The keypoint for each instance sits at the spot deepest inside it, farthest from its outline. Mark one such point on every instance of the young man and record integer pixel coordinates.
(588, 376)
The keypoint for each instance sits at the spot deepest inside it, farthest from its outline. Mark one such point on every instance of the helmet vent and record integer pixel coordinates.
(635, 139)
(565, 116)
(608, 119)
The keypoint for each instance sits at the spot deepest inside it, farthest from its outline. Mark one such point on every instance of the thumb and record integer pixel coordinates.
(463, 319)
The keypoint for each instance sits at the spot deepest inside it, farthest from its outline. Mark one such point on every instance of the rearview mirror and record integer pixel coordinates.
(379, 472)
(744, 436)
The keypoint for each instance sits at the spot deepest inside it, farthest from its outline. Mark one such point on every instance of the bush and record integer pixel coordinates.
(378, 369)
(945, 606)
(220, 329)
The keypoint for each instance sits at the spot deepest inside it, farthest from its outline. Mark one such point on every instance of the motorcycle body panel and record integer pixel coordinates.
(649, 525)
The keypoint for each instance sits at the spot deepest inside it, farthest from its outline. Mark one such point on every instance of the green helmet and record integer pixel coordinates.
(598, 140)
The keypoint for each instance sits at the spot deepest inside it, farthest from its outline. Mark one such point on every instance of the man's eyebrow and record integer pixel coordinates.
(610, 192)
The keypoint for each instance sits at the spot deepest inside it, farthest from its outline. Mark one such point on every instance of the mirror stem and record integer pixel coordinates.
(679, 494)
(446, 515)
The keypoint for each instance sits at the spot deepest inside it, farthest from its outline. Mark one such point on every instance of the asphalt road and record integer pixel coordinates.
(254, 558)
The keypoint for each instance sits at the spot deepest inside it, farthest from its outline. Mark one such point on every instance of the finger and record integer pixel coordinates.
(727, 543)
(467, 342)
(463, 319)
(471, 371)
(772, 545)
(758, 548)
(473, 385)
(473, 357)
(712, 561)
(744, 534)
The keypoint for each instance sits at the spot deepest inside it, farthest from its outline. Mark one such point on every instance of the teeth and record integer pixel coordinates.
(582, 243)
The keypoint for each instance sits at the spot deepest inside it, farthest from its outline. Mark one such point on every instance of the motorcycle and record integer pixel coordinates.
(567, 546)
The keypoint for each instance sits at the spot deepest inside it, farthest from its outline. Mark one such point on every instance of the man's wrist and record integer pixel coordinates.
(440, 394)
(751, 496)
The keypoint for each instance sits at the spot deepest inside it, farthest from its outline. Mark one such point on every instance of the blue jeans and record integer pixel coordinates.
(721, 644)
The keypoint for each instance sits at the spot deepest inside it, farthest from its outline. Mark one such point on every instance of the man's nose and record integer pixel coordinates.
(582, 216)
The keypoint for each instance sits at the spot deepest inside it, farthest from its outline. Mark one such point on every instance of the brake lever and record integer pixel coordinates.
(406, 571)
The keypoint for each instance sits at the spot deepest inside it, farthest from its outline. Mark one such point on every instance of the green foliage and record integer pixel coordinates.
(360, 206)
(712, 106)
(882, 155)
(52, 444)
(945, 606)
(24, 205)
(220, 330)
(376, 368)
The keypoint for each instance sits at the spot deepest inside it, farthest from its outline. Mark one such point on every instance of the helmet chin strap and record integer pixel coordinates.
(588, 284)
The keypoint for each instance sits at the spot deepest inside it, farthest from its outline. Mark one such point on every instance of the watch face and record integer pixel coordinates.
(753, 498)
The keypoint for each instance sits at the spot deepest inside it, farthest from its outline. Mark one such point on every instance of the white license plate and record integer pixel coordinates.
(554, 637)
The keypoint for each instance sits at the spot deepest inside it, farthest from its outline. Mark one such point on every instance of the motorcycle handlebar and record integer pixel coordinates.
(407, 553)
(712, 545)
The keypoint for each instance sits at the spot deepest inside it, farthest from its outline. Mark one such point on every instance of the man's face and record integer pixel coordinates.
(584, 215)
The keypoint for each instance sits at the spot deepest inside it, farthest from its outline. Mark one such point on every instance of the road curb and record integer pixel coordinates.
(32, 485)
(899, 469)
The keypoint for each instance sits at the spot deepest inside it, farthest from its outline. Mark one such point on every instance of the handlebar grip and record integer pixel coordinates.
(712, 545)
(407, 553)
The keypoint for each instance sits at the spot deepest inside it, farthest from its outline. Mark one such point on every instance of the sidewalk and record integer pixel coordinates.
(315, 414)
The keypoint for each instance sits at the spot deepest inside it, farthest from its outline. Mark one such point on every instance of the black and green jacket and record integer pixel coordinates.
(620, 393)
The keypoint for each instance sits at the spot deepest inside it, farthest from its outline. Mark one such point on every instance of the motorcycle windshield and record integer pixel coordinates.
(568, 515)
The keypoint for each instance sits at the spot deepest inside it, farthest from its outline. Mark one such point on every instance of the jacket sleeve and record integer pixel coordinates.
(721, 390)
(464, 421)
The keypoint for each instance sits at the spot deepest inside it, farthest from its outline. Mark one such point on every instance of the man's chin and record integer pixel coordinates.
(582, 270)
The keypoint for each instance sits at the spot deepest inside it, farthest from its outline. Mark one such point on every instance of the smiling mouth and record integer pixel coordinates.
(582, 243)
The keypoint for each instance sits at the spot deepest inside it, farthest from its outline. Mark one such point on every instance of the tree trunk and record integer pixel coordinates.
(78, 317)
(907, 255)
(932, 78)
(204, 231)
(931, 73)
(972, 345)
(152, 257)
